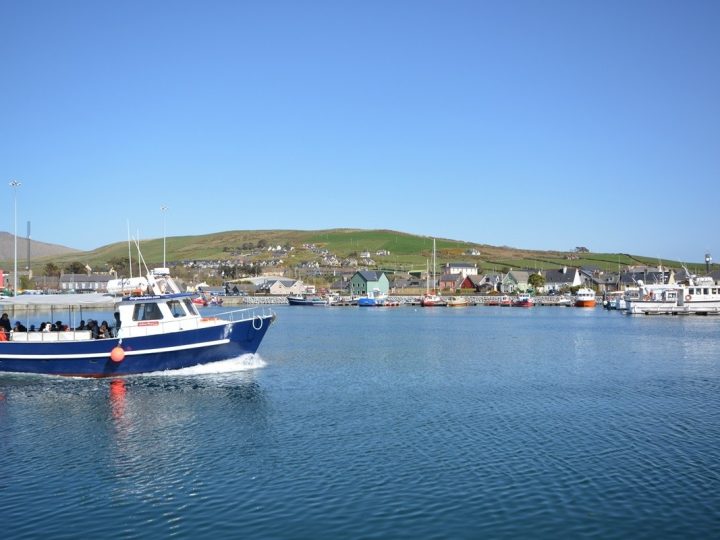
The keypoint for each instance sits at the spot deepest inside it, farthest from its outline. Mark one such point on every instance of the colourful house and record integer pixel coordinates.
(367, 280)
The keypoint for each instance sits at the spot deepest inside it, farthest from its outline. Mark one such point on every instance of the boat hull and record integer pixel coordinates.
(306, 301)
(585, 303)
(144, 354)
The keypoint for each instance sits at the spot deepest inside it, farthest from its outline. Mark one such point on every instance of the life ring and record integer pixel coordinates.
(257, 318)
(688, 297)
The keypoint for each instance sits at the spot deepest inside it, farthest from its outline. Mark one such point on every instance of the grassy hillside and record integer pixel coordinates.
(407, 251)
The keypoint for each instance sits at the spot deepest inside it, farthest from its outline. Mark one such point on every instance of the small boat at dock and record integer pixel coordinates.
(523, 300)
(585, 298)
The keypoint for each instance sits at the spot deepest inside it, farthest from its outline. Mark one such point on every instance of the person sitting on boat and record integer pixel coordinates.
(103, 331)
(19, 327)
(32, 328)
(5, 323)
(81, 326)
(93, 327)
(46, 327)
(60, 327)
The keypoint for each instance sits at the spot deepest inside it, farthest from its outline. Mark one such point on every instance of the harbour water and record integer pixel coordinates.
(385, 423)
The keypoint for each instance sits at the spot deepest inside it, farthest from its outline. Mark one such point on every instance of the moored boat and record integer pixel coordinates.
(523, 300)
(374, 298)
(306, 300)
(585, 298)
(159, 328)
(457, 301)
(701, 295)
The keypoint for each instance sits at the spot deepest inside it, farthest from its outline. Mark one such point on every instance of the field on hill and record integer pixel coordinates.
(407, 252)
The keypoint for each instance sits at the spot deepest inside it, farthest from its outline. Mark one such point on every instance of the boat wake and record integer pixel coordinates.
(243, 362)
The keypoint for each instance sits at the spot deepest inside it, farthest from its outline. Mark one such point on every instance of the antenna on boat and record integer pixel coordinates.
(129, 249)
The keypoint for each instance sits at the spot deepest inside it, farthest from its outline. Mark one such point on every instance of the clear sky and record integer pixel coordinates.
(533, 124)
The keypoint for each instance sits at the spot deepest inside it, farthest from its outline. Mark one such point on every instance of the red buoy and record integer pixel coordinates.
(117, 354)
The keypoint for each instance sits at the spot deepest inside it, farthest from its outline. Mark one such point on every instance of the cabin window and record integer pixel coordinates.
(147, 312)
(176, 308)
(706, 291)
(192, 310)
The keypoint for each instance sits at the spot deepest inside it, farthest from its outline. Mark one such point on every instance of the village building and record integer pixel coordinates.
(280, 287)
(84, 283)
(462, 268)
(368, 280)
(561, 279)
(516, 281)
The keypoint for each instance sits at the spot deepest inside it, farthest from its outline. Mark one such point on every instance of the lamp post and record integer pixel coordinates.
(15, 184)
(163, 209)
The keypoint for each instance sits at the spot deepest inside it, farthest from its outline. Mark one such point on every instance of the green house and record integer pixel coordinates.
(365, 280)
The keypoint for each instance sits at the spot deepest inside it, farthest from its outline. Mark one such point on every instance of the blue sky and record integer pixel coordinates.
(541, 125)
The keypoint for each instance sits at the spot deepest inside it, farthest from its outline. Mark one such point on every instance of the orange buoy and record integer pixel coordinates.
(117, 354)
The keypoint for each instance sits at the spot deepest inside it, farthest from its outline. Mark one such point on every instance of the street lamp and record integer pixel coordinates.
(163, 209)
(15, 184)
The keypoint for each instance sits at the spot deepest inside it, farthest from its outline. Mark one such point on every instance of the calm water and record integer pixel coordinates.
(385, 423)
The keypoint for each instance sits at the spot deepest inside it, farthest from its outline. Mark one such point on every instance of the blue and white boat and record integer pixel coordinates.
(159, 329)
(374, 298)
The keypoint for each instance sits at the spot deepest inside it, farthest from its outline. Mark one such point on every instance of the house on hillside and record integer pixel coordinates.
(515, 281)
(465, 269)
(451, 282)
(368, 280)
(563, 278)
(281, 287)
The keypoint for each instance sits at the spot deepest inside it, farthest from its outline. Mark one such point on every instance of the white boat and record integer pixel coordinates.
(457, 301)
(585, 298)
(700, 296)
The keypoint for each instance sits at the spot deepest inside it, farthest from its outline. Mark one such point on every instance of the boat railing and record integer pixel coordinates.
(51, 337)
(258, 316)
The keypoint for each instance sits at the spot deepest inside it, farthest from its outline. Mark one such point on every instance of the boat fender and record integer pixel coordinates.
(117, 354)
(688, 297)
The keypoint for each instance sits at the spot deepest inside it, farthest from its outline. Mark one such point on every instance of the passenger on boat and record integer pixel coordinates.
(19, 327)
(81, 326)
(104, 331)
(32, 328)
(117, 323)
(46, 327)
(5, 322)
(93, 327)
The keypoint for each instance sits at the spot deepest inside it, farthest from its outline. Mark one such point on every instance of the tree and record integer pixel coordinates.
(75, 267)
(120, 265)
(536, 281)
(51, 270)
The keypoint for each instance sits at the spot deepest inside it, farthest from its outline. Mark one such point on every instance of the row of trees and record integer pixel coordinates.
(116, 264)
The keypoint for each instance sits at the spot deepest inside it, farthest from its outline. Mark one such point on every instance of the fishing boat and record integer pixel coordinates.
(585, 298)
(457, 301)
(701, 295)
(307, 300)
(523, 300)
(158, 328)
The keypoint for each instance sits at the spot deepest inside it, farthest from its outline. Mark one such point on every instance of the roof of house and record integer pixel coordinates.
(460, 265)
(369, 275)
(558, 276)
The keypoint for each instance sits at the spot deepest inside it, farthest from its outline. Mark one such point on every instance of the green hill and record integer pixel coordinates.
(407, 251)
